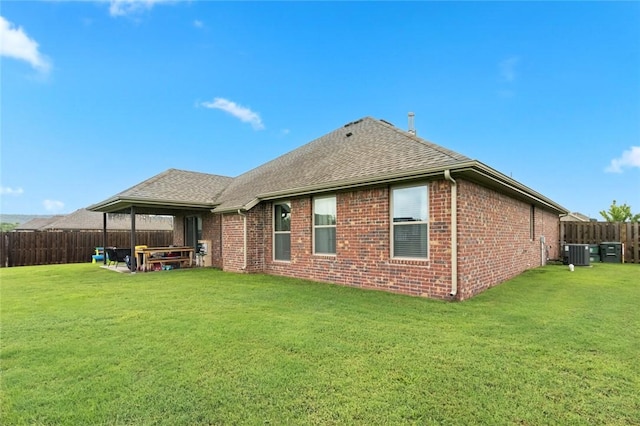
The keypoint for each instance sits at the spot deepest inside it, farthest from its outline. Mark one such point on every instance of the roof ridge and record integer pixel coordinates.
(161, 175)
(198, 173)
(146, 182)
(416, 138)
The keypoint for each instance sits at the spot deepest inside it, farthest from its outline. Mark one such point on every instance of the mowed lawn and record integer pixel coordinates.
(84, 346)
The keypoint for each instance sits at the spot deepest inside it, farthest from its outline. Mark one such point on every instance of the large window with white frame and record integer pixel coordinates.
(282, 231)
(324, 225)
(410, 221)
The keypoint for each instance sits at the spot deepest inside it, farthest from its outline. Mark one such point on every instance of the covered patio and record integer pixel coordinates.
(177, 193)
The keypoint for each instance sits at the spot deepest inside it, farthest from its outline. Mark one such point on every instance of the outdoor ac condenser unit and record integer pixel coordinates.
(576, 254)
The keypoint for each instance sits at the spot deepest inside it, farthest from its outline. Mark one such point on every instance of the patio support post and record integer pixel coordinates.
(104, 238)
(133, 258)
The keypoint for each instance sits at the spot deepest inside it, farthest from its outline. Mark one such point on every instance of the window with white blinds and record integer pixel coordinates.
(324, 225)
(410, 222)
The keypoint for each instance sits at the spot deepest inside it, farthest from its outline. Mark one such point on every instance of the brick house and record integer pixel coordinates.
(367, 205)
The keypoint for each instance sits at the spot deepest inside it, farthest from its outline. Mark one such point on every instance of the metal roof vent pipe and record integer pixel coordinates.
(412, 127)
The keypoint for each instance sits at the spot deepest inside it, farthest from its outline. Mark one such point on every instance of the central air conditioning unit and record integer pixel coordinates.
(576, 254)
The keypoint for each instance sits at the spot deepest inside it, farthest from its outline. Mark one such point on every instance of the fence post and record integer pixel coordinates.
(636, 243)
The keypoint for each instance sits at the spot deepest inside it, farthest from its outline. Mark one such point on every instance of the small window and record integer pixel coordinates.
(324, 225)
(282, 231)
(532, 222)
(410, 222)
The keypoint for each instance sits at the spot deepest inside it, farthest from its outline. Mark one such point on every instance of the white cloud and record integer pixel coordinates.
(5, 190)
(15, 43)
(628, 159)
(508, 69)
(238, 111)
(53, 205)
(131, 7)
(198, 24)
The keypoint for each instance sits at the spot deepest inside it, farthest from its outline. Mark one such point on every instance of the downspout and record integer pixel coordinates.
(244, 244)
(454, 233)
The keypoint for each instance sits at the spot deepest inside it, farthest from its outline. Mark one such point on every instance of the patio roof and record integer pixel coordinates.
(169, 192)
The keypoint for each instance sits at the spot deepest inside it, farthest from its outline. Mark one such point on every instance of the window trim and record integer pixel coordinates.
(314, 226)
(274, 232)
(393, 224)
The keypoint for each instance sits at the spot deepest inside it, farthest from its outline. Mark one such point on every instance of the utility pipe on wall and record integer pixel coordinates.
(244, 244)
(454, 232)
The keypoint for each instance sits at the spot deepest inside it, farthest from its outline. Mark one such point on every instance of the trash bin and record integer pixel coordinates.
(594, 253)
(611, 252)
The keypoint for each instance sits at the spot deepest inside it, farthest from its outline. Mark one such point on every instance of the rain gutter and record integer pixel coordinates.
(454, 233)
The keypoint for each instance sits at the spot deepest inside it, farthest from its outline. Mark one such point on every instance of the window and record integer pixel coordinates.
(410, 222)
(324, 225)
(532, 222)
(282, 231)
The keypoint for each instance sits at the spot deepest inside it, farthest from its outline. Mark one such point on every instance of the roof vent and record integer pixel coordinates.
(349, 134)
(412, 128)
(352, 123)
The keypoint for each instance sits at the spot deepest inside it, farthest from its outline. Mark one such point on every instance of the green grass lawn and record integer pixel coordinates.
(84, 346)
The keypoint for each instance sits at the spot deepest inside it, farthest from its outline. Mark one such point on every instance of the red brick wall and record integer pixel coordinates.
(548, 224)
(211, 230)
(362, 245)
(494, 237)
(178, 230)
(256, 238)
(494, 242)
(232, 242)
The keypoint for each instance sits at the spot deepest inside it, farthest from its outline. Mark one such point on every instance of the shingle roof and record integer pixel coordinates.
(179, 186)
(361, 151)
(575, 216)
(84, 219)
(37, 223)
(171, 189)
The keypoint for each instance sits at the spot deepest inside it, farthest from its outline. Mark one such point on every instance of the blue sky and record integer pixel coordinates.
(99, 96)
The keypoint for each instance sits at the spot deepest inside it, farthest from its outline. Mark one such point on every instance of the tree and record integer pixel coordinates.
(6, 226)
(620, 213)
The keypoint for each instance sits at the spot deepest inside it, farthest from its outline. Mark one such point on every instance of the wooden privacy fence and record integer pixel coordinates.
(599, 232)
(52, 247)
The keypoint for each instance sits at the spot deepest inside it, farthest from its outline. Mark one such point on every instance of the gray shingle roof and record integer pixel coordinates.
(179, 186)
(37, 223)
(85, 220)
(362, 151)
(171, 189)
